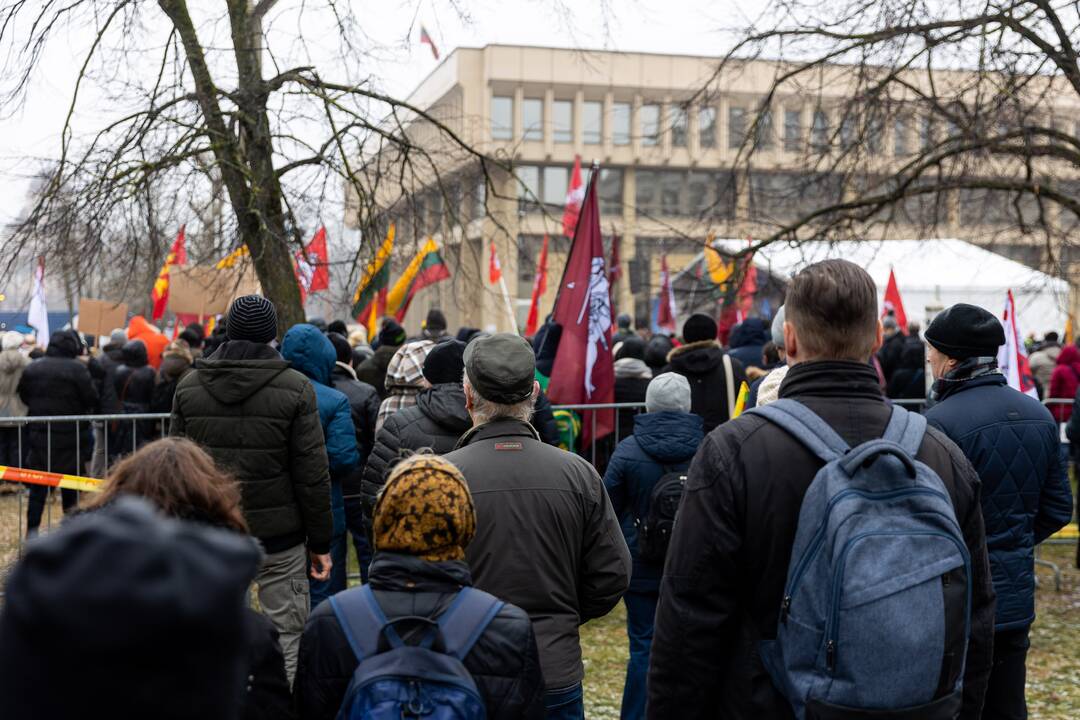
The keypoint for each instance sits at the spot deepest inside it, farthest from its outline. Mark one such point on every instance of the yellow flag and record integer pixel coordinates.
(740, 402)
(719, 271)
(232, 258)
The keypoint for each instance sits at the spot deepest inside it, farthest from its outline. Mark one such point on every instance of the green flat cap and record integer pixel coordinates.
(501, 368)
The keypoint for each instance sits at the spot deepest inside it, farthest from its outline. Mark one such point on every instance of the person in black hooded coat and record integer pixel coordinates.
(134, 382)
(701, 361)
(57, 384)
(437, 421)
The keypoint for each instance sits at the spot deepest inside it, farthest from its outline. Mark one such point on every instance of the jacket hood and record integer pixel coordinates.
(63, 344)
(174, 366)
(310, 352)
(406, 368)
(751, 331)
(445, 404)
(656, 351)
(696, 358)
(12, 361)
(238, 369)
(134, 354)
(1070, 356)
(669, 437)
(629, 367)
(398, 572)
(139, 326)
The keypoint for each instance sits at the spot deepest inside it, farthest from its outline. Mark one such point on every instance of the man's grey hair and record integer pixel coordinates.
(484, 410)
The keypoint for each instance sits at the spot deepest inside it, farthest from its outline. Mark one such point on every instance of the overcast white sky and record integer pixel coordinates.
(683, 26)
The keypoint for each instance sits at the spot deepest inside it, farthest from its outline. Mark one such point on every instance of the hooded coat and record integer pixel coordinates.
(437, 421)
(702, 363)
(58, 384)
(175, 364)
(662, 442)
(133, 382)
(503, 662)
(259, 420)
(155, 342)
(1064, 381)
(747, 342)
(12, 365)
(363, 403)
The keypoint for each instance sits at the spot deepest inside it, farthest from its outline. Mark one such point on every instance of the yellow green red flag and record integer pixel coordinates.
(369, 301)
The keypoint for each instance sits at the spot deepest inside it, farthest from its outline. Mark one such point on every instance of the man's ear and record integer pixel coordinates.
(791, 343)
(536, 390)
(880, 339)
(468, 397)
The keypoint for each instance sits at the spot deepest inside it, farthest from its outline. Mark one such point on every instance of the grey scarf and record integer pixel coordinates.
(967, 370)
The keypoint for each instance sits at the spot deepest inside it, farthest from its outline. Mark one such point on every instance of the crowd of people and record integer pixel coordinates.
(825, 554)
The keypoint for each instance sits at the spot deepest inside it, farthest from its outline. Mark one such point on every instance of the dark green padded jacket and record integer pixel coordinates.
(259, 421)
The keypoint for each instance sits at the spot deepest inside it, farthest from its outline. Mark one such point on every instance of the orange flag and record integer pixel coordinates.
(160, 294)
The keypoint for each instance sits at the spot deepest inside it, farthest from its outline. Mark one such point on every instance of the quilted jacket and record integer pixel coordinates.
(661, 442)
(1012, 441)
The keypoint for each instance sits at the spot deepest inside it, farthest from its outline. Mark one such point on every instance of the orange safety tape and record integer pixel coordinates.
(40, 477)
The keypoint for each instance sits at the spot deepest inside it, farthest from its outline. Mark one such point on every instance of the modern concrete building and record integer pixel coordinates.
(666, 131)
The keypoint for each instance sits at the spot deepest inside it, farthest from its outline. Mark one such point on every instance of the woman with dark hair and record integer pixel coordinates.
(182, 481)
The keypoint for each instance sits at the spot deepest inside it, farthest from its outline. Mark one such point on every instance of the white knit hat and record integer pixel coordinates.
(769, 389)
(12, 340)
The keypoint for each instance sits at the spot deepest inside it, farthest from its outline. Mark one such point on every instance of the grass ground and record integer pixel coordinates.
(1053, 664)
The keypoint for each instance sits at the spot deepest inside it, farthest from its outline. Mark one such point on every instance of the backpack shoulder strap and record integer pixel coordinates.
(906, 429)
(361, 619)
(729, 384)
(462, 624)
(804, 425)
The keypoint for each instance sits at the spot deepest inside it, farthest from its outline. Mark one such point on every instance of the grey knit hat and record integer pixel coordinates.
(668, 392)
(777, 328)
(252, 318)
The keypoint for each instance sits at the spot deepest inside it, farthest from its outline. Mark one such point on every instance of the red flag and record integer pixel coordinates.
(614, 268)
(665, 313)
(494, 267)
(575, 194)
(583, 371)
(894, 304)
(160, 294)
(425, 39)
(1012, 356)
(312, 265)
(539, 288)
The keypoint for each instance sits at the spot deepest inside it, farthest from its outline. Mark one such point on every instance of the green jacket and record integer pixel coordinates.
(259, 420)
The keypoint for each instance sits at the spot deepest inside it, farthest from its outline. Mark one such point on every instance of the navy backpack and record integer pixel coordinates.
(876, 611)
(427, 680)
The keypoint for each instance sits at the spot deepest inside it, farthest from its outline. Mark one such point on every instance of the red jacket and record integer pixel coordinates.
(1064, 382)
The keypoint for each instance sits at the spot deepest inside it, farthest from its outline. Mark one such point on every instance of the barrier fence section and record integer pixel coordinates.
(101, 440)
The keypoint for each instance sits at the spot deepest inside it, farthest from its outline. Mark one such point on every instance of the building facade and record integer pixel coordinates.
(669, 138)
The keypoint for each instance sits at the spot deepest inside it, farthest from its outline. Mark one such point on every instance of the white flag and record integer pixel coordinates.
(38, 317)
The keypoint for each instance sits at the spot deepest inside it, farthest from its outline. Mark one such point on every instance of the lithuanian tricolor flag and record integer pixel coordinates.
(427, 268)
(369, 301)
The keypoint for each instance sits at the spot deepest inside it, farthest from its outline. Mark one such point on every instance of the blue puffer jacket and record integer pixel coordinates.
(1012, 441)
(662, 442)
(312, 353)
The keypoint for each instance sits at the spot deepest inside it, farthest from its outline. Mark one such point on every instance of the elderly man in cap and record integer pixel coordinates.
(547, 537)
(1012, 441)
(259, 420)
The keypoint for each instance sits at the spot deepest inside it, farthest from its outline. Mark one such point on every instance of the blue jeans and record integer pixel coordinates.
(565, 704)
(339, 548)
(640, 616)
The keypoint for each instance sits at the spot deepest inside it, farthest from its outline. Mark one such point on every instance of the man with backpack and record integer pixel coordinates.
(645, 480)
(815, 570)
(417, 640)
(1012, 441)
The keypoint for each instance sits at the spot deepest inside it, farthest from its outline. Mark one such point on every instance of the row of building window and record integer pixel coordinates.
(908, 133)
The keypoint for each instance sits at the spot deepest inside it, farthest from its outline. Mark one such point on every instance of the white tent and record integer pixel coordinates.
(933, 274)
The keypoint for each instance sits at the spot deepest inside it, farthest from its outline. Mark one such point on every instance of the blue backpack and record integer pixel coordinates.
(877, 605)
(413, 681)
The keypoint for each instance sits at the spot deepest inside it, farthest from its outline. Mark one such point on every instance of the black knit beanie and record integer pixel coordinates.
(252, 318)
(964, 331)
(445, 363)
(392, 334)
(342, 348)
(699, 327)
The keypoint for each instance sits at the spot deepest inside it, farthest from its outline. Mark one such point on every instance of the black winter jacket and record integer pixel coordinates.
(363, 403)
(728, 562)
(547, 538)
(437, 421)
(503, 662)
(259, 420)
(58, 384)
(543, 419)
(135, 379)
(1012, 440)
(702, 363)
(373, 370)
(267, 695)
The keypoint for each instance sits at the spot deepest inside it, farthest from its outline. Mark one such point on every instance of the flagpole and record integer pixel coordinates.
(509, 304)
